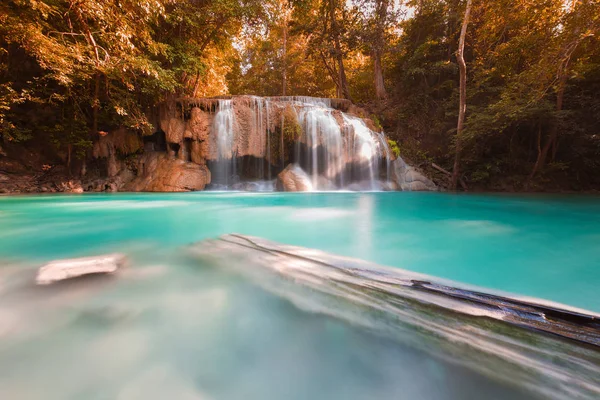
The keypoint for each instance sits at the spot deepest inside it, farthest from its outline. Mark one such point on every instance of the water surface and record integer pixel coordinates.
(173, 326)
(541, 246)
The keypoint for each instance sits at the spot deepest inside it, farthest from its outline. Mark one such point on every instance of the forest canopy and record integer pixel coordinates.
(71, 69)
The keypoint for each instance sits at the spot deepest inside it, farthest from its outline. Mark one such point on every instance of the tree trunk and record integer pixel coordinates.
(380, 92)
(69, 151)
(563, 74)
(381, 14)
(196, 85)
(284, 73)
(462, 107)
(343, 90)
(96, 104)
(332, 73)
(450, 28)
(540, 162)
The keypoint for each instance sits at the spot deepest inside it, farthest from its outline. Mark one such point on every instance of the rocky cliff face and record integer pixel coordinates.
(291, 143)
(159, 173)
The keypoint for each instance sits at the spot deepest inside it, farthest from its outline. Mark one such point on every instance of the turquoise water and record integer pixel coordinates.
(170, 326)
(540, 246)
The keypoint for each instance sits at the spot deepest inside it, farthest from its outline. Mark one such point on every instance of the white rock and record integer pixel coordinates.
(74, 267)
(410, 178)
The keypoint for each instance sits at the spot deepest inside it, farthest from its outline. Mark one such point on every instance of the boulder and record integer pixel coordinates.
(159, 173)
(70, 187)
(77, 190)
(409, 178)
(76, 267)
(293, 179)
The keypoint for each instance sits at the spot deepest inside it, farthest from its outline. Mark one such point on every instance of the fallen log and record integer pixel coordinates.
(445, 171)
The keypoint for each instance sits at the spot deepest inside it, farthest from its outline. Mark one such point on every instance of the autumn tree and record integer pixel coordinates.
(462, 102)
(87, 67)
(378, 19)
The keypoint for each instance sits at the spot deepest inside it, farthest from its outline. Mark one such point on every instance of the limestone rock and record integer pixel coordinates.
(410, 178)
(183, 154)
(174, 130)
(75, 267)
(78, 190)
(337, 114)
(199, 152)
(159, 173)
(248, 139)
(70, 187)
(113, 165)
(293, 179)
(198, 127)
(119, 141)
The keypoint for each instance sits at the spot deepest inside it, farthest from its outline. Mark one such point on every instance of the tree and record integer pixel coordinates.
(105, 64)
(71, 69)
(285, 12)
(377, 20)
(279, 54)
(462, 105)
(578, 26)
(381, 13)
(326, 25)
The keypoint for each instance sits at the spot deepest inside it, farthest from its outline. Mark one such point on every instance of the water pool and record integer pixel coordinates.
(541, 246)
(172, 327)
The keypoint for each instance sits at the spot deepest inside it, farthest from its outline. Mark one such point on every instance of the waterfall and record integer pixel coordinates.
(321, 129)
(224, 136)
(337, 150)
(383, 144)
(364, 152)
(268, 134)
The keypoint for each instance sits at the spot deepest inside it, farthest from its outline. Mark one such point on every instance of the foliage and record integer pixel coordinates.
(395, 149)
(70, 69)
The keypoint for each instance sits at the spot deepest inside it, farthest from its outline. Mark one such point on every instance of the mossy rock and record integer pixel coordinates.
(290, 131)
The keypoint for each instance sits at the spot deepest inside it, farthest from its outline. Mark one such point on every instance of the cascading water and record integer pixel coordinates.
(364, 151)
(223, 132)
(321, 130)
(259, 126)
(337, 150)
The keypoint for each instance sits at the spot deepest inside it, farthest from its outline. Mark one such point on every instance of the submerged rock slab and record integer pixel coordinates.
(300, 264)
(551, 349)
(60, 270)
